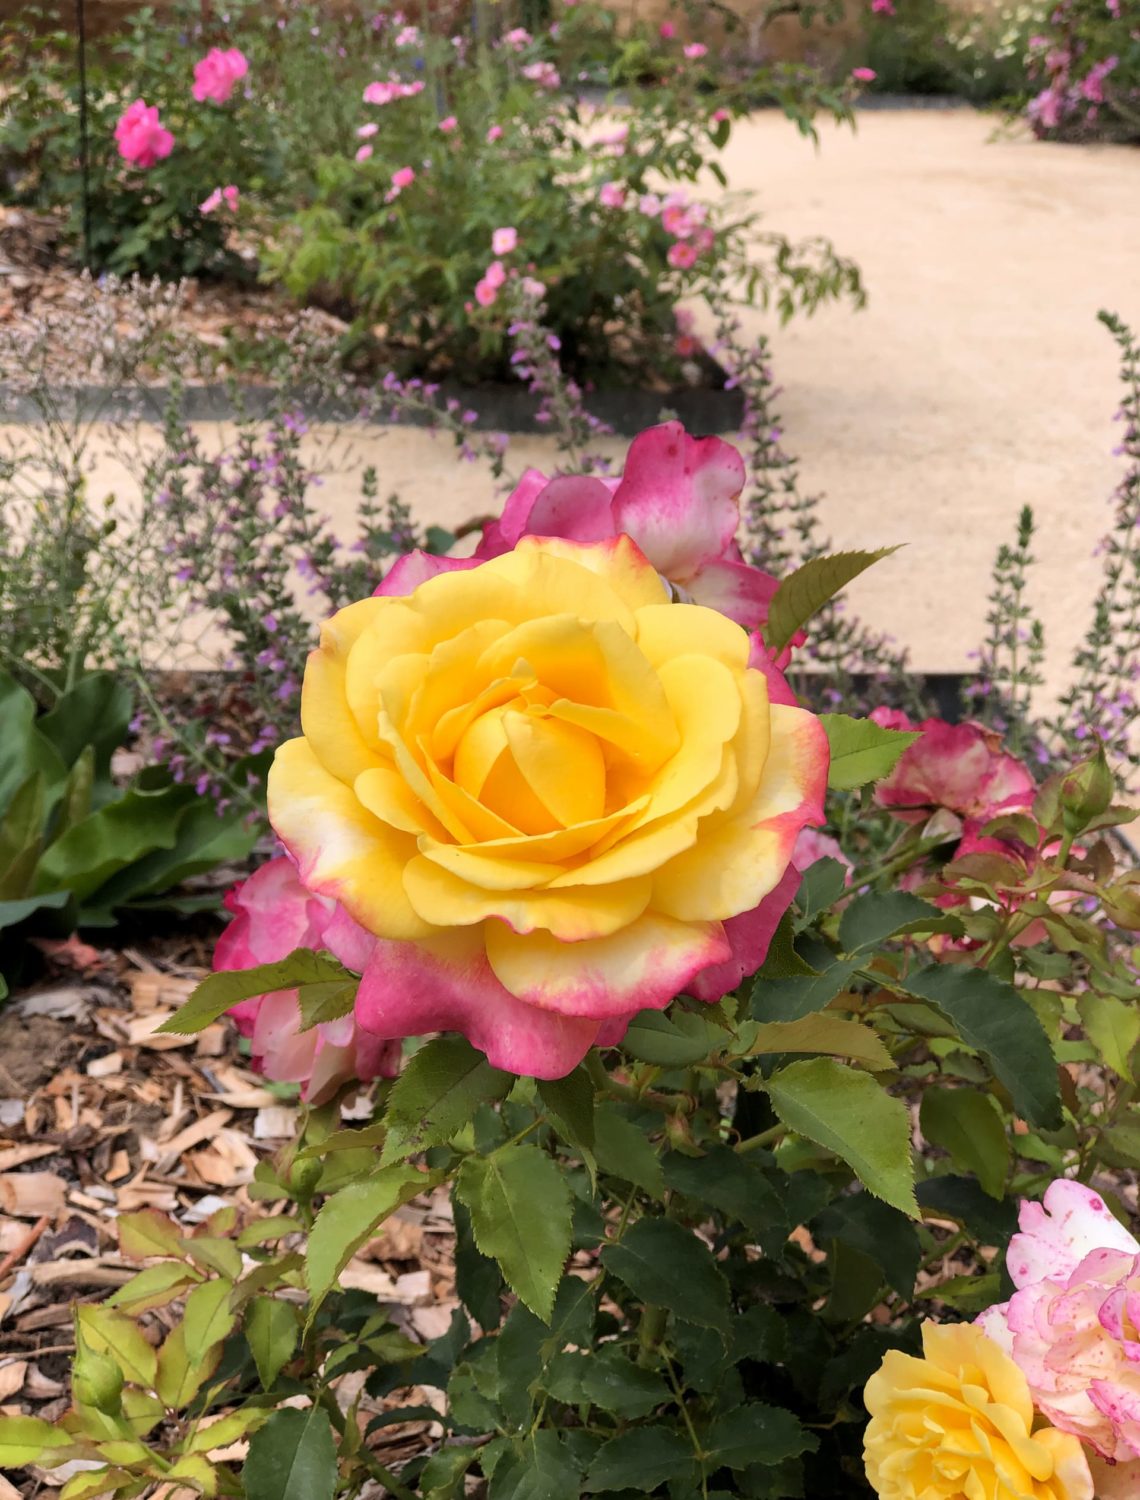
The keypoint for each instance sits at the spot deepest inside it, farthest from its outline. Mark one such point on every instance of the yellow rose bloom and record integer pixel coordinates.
(958, 1425)
(539, 790)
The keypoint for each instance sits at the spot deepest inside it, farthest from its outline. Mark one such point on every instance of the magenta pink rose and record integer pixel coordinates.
(141, 137)
(1073, 1325)
(218, 73)
(273, 914)
(957, 766)
(678, 499)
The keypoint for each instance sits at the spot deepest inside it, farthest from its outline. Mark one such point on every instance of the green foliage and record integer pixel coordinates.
(861, 750)
(75, 847)
(804, 593)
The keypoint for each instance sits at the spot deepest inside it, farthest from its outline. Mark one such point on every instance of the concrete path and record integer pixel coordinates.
(977, 380)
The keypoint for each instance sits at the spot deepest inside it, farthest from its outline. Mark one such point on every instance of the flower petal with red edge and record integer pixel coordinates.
(749, 936)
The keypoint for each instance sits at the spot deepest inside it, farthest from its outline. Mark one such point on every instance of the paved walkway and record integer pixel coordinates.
(977, 380)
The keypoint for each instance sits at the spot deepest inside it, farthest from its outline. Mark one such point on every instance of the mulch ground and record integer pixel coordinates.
(99, 1116)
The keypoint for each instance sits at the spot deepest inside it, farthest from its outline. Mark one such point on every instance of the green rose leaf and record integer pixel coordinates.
(271, 1330)
(623, 1150)
(437, 1094)
(803, 593)
(847, 1112)
(219, 992)
(352, 1216)
(756, 1434)
(519, 1204)
(669, 1266)
(640, 1459)
(293, 1457)
(872, 919)
(861, 750)
(991, 1016)
(967, 1124)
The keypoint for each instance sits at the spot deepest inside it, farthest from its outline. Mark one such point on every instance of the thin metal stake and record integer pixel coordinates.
(84, 145)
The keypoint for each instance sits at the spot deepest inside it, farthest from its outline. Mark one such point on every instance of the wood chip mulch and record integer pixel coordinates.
(100, 1116)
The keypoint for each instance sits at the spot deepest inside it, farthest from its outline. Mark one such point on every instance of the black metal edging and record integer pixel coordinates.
(500, 408)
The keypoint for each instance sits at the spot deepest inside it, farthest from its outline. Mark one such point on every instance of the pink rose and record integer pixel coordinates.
(611, 195)
(694, 51)
(403, 177)
(495, 274)
(141, 138)
(367, 131)
(957, 766)
(811, 845)
(681, 255)
(678, 499)
(228, 195)
(1073, 1325)
(667, 31)
(503, 241)
(493, 134)
(448, 124)
(363, 152)
(218, 73)
(273, 914)
(486, 292)
(864, 75)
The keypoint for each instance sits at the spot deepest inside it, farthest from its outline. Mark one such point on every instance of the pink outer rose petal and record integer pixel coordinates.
(273, 914)
(994, 1323)
(501, 535)
(749, 936)
(446, 984)
(891, 718)
(414, 568)
(576, 506)
(678, 498)
(345, 939)
(761, 659)
(1056, 1235)
(741, 592)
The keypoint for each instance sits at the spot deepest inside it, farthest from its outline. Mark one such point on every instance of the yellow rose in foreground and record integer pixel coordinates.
(541, 791)
(958, 1425)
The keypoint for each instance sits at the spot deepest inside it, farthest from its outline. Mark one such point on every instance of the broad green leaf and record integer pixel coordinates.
(218, 992)
(735, 1184)
(519, 1204)
(23, 749)
(179, 1378)
(994, 1018)
(437, 1094)
(623, 1150)
(871, 919)
(226, 1430)
(352, 1216)
(204, 840)
(876, 1230)
(641, 1459)
(823, 1033)
(613, 1382)
(21, 836)
(1113, 1027)
(966, 1123)
(271, 1330)
(671, 1041)
(964, 1200)
(208, 1318)
(12, 913)
(861, 750)
(755, 1434)
(571, 1100)
(155, 1286)
(75, 801)
(95, 713)
(478, 1280)
(802, 593)
(96, 1484)
(25, 1440)
(441, 1477)
(113, 1334)
(326, 1001)
(782, 960)
(545, 1470)
(293, 1457)
(847, 1112)
(147, 1233)
(967, 1294)
(792, 999)
(669, 1266)
(85, 857)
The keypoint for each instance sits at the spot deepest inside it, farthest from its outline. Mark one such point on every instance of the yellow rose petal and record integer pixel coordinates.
(569, 917)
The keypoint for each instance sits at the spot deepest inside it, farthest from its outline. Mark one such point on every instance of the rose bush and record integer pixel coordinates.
(545, 789)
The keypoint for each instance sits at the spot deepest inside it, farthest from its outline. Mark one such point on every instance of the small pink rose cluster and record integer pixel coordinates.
(495, 277)
(678, 500)
(218, 73)
(543, 75)
(1065, 95)
(686, 222)
(229, 196)
(140, 135)
(1073, 1327)
(959, 767)
(385, 91)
